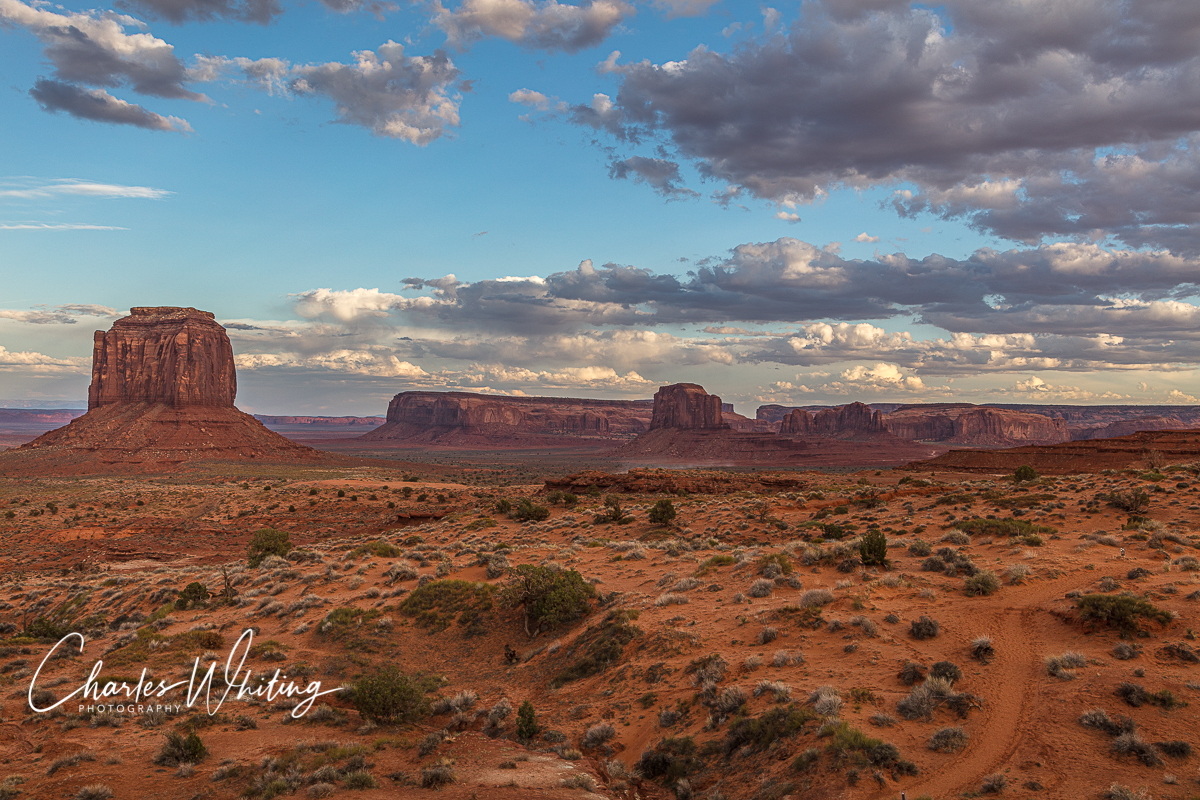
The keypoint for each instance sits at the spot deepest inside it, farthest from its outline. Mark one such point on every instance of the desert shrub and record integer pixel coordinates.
(982, 649)
(437, 604)
(950, 739)
(1174, 748)
(662, 512)
(598, 734)
(360, 779)
(671, 760)
(527, 726)
(993, 784)
(934, 693)
(613, 513)
(388, 696)
(1025, 473)
(946, 669)
(815, 597)
(94, 791)
(267, 542)
(1058, 666)
(772, 725)
(1003, 527)
(983, 582)
(671, 599)
(1131, 744)
(806, 760)
(1118, 791)
(1124, 651)
(1098, 719)
(873, 548)
(1121, 611)
(378, 548)
(933, 564)
(550, 597)
(911, 673)
(528, 511)
(767, 635)
(924, 628)
(194, 593)
(1133, 501)
(178, 749)
(437, 776)
(761, 588)
(920, 548)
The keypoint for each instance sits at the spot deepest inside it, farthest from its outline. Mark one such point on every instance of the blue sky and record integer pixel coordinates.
(804, 203)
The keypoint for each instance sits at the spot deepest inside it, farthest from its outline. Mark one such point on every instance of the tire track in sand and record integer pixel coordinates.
(1010, 707)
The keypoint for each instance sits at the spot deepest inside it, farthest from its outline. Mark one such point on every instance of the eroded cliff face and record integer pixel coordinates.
(686, 406)
(176, 356)
(851, 420)
(427, 415)
(979, 426)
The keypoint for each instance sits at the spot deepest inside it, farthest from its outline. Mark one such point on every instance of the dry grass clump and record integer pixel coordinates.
(950, 739)
(672, 599)
(761, 588)
(1118, 791)
(1133, 744)
(1060, 666)
(982, 649)
(816, 597)
(1098, 719)
(598, 734)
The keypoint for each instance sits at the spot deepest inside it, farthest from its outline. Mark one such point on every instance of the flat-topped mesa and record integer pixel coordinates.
(686, 406)
(464, 418)
(162, 354)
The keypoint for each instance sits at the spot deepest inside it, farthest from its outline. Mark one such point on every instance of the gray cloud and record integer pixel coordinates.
(1027, 120)
(62, 314)
(545, 25)
(100, 106)
(658, 173)
(389, 93)
(262, 12)
(788, 280)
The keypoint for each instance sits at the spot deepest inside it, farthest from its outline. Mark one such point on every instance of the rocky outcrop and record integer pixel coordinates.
(686, 406)
(465, 418)
(176, 356)
(162, 394)
(797, 423)
(856, 420)
(976, 426)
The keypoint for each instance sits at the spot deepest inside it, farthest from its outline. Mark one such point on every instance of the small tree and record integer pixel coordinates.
(268, 542)
(195, 593)
(1025, 473)
(388, 696)
(873, 548)
(613, 512)
(662, 513)
(550, 597)
(528, 511)
(527, 726)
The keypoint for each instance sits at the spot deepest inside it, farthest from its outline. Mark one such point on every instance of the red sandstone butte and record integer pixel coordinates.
(687, 426)
(686, 406)
(176, 356)
(162, 392)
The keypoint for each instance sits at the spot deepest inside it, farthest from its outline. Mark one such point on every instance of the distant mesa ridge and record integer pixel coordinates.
(466, 417)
